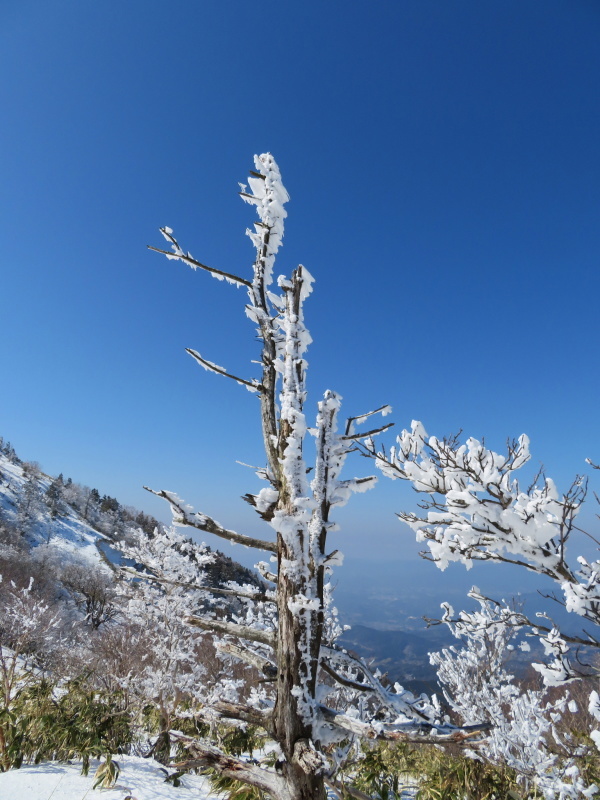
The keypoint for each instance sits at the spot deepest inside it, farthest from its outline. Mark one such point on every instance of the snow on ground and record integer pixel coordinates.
(140, 779)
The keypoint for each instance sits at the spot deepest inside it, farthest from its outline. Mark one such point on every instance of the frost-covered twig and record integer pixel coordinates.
(253, 386)
(183, 516)
(177, 253)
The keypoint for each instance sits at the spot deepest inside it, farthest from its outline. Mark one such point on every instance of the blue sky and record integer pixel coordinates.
(443, 163)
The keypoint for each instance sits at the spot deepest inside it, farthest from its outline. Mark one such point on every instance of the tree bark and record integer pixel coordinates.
(290, 728)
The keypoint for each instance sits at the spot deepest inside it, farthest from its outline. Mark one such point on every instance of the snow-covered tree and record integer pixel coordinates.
(475, 509)
(171, 672)
(30, 507)
(289, 644)
(53, 497)
(477, 684)
(92, 589)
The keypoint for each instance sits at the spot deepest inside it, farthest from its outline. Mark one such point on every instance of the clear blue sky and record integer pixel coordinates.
(443, 161)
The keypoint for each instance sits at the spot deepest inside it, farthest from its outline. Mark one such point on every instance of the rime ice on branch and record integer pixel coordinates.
(475, 510)
(526, 735)
(287, 633)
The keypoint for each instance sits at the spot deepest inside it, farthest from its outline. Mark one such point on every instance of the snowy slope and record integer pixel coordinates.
(68, 534)
(70, 537)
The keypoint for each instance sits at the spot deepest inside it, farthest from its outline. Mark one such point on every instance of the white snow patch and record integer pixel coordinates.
(141, 778)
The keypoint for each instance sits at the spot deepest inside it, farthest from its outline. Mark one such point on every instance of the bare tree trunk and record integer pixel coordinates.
(291, 728)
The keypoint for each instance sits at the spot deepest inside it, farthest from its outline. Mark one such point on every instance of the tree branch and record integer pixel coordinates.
(206, 756)
(203, 523)
(366, 434)
(395, 702)
(420, 732)
(261, 663)
(360, 687)
(243, 713)
(560, 573)
(228, 712)
(233, 629)
(260, 596)
(204, 362)
(386, 409)
(193, 263)
(522, 621)
(265, 572)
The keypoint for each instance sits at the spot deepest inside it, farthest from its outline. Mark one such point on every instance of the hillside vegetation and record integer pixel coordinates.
(79, 677)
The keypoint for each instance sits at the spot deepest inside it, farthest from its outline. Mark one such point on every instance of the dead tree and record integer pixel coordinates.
(294, 652)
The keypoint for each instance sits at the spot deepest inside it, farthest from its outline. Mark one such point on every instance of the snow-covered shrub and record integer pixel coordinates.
(475, 508)
(525, 736)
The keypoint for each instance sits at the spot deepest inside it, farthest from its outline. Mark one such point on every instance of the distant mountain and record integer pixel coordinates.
(387, 614)
(403, 655)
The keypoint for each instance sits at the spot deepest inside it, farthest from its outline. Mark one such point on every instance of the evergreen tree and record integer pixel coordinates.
(53, 497)
(29, 504)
